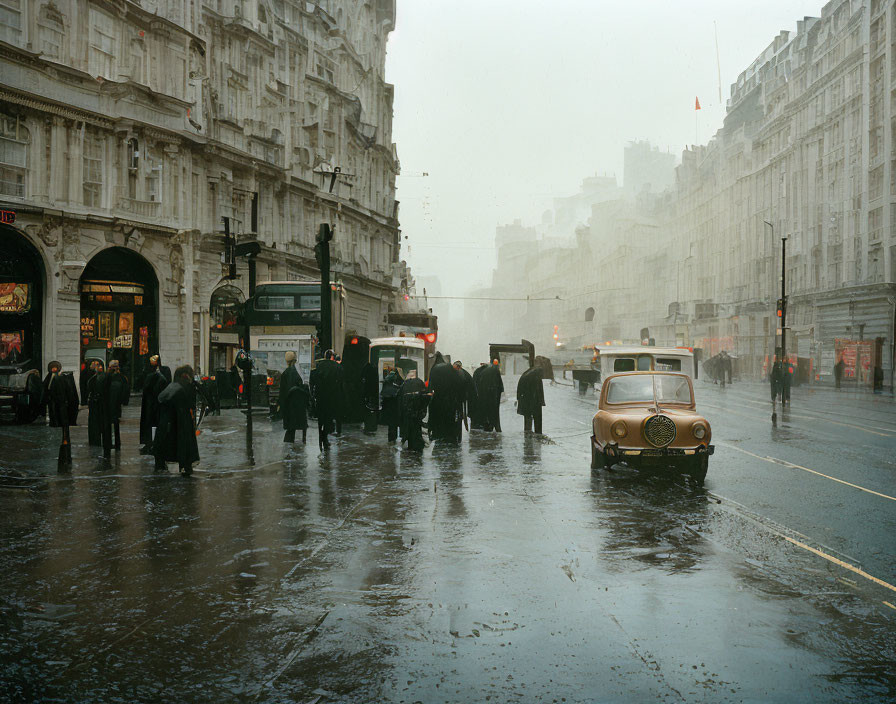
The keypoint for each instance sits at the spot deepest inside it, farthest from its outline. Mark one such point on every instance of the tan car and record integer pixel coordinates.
(650, 419)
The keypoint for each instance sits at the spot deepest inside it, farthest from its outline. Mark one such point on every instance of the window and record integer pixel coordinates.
(589, 315)
(153, 177)
(644, 363)
(624, 365)
(93, 157)
(51, 33)
(14, 140)
(11, 21)
(102, 44)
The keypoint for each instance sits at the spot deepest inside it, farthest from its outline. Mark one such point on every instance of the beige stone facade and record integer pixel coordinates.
(140, 125)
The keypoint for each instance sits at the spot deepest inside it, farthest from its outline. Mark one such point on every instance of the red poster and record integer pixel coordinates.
(143, 342)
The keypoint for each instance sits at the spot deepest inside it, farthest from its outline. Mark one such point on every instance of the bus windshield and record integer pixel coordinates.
(389, 357)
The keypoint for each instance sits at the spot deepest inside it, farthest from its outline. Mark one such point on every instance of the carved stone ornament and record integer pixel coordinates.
(176, 261)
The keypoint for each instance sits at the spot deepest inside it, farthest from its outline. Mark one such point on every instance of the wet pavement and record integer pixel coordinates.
(501, 570)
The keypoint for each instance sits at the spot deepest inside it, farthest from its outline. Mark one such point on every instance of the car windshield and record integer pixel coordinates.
(639, 388)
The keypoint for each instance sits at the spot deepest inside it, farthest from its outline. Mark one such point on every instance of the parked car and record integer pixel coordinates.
(650, 419)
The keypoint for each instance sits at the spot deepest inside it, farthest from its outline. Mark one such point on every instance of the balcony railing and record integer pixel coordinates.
(140, 208)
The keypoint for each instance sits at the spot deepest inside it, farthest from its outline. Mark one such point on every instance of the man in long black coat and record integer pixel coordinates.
(370, 397)
(490, 388)
(325, 391)
(153, 384)
(94, 423)
(413, 400)
(176, 436)
(477, 417)
(391, 413)
(294, 400)
(468, 396)
(444, 409)
(530, 399)
(60, 399)
(114, 392)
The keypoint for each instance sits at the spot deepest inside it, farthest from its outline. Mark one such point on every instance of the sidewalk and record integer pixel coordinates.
(814, 393)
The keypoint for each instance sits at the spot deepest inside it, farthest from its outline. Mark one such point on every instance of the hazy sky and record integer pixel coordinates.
(509, 103)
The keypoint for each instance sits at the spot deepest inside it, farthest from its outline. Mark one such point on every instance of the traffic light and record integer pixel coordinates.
(556, 332)
(780, 308)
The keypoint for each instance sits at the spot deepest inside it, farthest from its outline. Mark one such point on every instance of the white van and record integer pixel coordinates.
(614, 360)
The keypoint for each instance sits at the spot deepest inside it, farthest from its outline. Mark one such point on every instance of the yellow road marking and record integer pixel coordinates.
(841, 563)
(890, 605)
(775, 460)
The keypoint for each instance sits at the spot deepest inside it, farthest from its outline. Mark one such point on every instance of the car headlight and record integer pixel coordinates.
(699, 431)
(618, 429)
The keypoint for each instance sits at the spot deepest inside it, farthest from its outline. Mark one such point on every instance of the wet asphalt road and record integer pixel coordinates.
(502, 570)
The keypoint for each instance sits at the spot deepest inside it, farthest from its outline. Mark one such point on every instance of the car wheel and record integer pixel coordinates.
(699, 467)
(598, 461)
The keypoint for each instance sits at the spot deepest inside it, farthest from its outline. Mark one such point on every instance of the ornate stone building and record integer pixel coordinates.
(128, 130)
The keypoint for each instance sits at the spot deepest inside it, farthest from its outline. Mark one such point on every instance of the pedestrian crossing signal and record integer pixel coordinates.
(780, 308)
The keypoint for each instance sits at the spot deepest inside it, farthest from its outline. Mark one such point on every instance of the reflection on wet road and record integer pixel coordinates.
(501, 570)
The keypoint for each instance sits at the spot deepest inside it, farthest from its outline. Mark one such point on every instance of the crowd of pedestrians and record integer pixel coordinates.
(441, 408)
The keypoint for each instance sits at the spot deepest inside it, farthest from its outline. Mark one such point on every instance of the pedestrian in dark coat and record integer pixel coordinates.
(444, 408)
(391, 413)
(490, 388)
(153, 385)
(370, 397)
(530, 399)
(776, 379)
(838, 372)
(339, 415)
(294, 400)
(468, 396)
(176, 436)
(413, 400)
(477, 418)
(60, 401)
(115, 392)
(94, 424)
(325, 393)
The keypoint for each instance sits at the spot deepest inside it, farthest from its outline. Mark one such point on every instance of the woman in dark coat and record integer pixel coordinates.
(294, 400)
(390, 416)
(176, 436)
(114, 392)
(530, 399)
(413, 401)
(94, 424)
(60, 399)
(153, 385)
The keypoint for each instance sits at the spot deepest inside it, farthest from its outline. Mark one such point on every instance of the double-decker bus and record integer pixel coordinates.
(283, 316)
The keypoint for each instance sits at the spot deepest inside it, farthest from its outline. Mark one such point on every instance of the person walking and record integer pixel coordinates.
(530, 399)
(489, 389)
(468, 397)
(325, 392)
(370, 397)
(153, 384)
(175, 439)
(413, 400)
(60, 401)
(294, 400)
(114, 393)
(477, 416)
(391, 413)
(776, 379)
(838, 372)
(94, 424)
(444, 384)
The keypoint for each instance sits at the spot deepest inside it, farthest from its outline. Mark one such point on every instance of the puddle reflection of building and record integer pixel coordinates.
(652, 517)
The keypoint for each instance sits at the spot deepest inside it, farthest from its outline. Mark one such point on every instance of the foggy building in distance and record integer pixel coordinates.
(130, 130)
(807, 144)
(647, 168)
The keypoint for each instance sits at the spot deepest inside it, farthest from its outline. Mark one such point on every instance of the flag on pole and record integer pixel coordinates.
(697, 106)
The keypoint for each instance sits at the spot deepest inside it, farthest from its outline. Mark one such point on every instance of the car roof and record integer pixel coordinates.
(639, 349)
(644, 373)
(401, 341)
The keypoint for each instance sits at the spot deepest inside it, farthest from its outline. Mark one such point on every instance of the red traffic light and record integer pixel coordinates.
(428, 337)
(354, 340)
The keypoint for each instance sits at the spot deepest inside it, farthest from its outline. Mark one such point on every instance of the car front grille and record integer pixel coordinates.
(659, 431)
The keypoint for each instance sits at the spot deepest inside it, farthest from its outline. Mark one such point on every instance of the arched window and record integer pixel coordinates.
(262, 14)
(14, 141)
(589, 315)
(51, 32)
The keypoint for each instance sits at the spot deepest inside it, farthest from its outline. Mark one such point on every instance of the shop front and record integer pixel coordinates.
(21, 301)
(119, 312)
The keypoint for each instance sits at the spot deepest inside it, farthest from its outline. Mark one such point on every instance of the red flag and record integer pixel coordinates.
(697, 106)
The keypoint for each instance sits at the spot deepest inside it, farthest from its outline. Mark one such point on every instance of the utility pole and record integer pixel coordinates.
(322, 254)
(250, 250)
(784, 303)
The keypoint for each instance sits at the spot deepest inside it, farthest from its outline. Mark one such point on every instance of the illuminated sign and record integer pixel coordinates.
(7, 217)
(14, 297)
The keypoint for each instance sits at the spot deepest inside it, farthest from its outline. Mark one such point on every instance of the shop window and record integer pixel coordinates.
(93, 158)
(14, 140)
